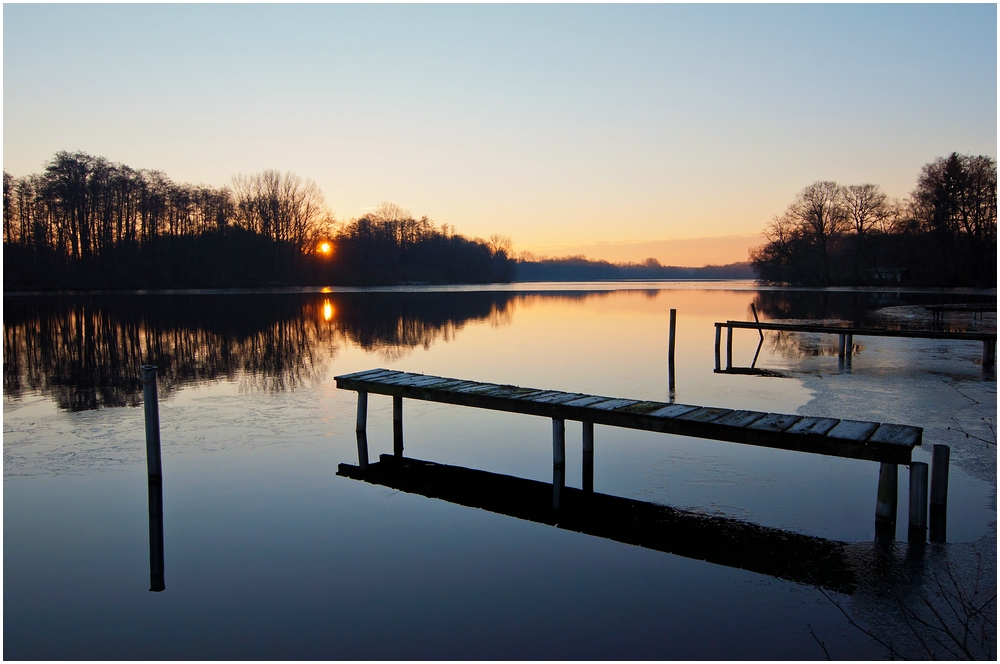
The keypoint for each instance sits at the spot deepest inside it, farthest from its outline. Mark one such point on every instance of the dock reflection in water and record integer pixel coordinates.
(723, 541)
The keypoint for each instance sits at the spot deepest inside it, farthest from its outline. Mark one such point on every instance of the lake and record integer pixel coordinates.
(268, 553)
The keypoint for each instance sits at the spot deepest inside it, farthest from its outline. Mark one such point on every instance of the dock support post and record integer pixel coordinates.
(939, 493)
(989, 353)
(670, 353)
(558, 460)
(849, 342)
(885, 507)
(362, 411)
(718, 344)
(362, 449)
(917, 531)
(588, 457)
(397, 426)
(151, 408)
(156, 582)
(729, 347)
(842, 347)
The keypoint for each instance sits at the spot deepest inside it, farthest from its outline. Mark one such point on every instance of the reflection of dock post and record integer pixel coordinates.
(397, 426)
(718, 344)
(151, 407)
(362, 411)
(939, 492)
(989, 353)
(588, 457)
(885, 507)
(917, 531)
(362, 449)
(156, 583)
(558, 460)
(670, 352)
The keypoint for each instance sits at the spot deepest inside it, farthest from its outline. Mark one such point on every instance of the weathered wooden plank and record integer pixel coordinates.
(478, 387)
(454, 385)
(739, 418)
(429, 381)
(560, 398)
(586, 401)
(705, 414)
(775, 422)
(673, 410)
(398, 379)
(543, 395)
(818, 426)
(853, 430)
(643, 407)
(897, 434)
(613, 404)
(364, 374)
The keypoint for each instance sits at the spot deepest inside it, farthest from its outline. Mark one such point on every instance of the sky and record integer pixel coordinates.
(615, 131)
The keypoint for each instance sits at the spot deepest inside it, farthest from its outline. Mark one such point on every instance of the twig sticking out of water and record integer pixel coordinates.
(989, 424)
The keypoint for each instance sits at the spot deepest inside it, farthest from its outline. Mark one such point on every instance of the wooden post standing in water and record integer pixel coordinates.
(588, 457)
(362, 411)
(397, 426)
(885, 507)
(718, 344)
(729, 347)
(917, 531)
(939, 493)
(670, 351)
(151, 407)
(558, 460)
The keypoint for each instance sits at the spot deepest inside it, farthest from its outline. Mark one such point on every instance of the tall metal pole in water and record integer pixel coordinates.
(152, 412)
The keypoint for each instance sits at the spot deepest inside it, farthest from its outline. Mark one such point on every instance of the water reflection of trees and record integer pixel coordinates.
(85, 352)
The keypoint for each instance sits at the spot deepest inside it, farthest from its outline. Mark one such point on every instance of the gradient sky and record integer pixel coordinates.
(566, 127)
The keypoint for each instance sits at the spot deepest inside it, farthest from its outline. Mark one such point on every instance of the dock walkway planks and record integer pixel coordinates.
(886, 443)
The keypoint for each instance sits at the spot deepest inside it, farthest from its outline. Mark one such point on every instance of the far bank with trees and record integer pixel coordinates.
(943, 234)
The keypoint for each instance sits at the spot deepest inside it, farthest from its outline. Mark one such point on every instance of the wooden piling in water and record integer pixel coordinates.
(670, 351)
(718, 344)
(588, 457)
(917, 531)
(151, 408)
(362, 424)
(940, 459)
(729, 347)
(397, 426)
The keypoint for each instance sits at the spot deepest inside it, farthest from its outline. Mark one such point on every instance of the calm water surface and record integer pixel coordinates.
(269, 553)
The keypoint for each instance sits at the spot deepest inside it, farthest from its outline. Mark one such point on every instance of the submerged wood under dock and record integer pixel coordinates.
(853, 439)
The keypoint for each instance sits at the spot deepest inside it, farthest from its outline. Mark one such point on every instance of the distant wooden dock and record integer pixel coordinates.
(847, 334)
(888, 444)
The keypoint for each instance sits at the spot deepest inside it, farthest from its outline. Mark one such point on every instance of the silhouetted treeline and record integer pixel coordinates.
(389, 246)
(87, 223)
(578, 268)
(944, 234)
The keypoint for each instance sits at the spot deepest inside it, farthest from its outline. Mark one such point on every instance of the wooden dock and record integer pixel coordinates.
(888, 444)
(720, 540)
(847, 334)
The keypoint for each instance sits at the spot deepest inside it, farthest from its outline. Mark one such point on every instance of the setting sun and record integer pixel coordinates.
(325, 248)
